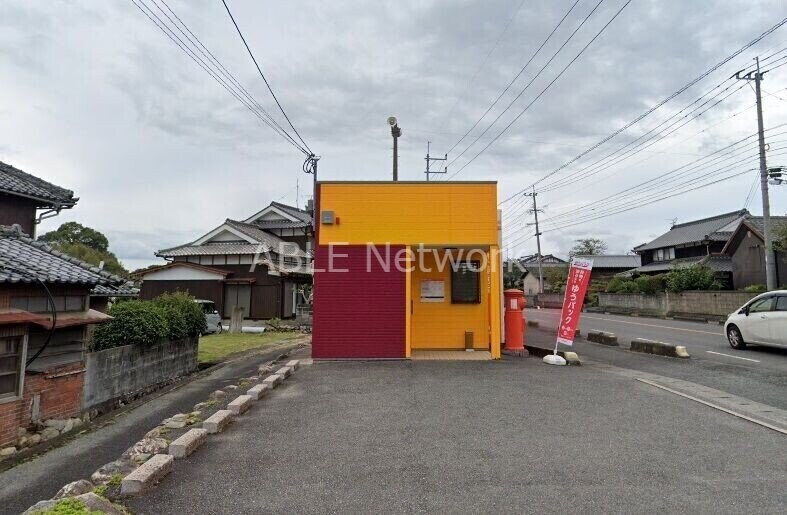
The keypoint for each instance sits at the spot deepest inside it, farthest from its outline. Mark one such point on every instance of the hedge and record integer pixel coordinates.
(135, 322)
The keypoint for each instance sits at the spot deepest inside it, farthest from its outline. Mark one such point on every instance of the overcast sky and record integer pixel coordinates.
(95, 98)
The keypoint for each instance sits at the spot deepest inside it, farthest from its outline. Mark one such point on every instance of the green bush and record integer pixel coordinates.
(188, 317)
(134, 323)
(696, 277)
(756, 288)
(614, 285)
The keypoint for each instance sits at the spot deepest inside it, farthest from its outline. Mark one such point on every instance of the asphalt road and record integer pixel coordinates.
(41, 477)
(758, 373)
(514, 436)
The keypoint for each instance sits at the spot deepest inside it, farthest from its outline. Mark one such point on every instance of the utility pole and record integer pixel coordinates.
(310, 166)
(770, 261)
(430, 159)
(538, 240)
(396, 132)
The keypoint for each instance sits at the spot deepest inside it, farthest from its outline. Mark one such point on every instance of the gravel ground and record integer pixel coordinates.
(506, 436)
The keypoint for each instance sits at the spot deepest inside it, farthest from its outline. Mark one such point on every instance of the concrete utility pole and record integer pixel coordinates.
(430, 159)
(538, 241)
(770, 261)
(396, 132)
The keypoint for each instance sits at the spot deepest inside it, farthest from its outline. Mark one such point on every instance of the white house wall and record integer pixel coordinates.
(182, 273)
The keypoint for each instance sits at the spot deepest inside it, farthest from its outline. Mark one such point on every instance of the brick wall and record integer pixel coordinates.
(61, 397)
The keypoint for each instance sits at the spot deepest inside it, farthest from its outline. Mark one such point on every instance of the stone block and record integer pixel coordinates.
(217, 422)
(273, 380)
(147, 475)
(294, 364)
(257, 392)
(240, 404)
(659, 348)
(188, 443)
(285, 372)
(602, 337)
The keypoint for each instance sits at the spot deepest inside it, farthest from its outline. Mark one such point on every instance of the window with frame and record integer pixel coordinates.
(11, 348)
(666, 254)
(762, 305)
(466, 283)
(781, 303)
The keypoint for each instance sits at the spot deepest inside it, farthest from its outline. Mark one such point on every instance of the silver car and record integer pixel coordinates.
(212, 316)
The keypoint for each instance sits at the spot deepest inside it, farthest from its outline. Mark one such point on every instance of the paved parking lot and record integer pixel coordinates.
(476, 436)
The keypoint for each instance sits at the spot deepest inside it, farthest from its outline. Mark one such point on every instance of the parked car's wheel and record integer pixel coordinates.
(735, 338)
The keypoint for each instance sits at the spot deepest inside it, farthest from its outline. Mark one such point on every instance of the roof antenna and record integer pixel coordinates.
(673, 222)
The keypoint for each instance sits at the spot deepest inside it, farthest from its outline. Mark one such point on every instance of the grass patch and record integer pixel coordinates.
(215, 347)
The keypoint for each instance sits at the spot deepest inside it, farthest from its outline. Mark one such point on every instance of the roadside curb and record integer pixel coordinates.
(659, 348)
(137, 476)
(603, 337)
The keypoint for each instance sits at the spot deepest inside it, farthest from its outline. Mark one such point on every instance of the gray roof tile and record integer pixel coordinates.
(17, 182)
(122, 290)
(615, 260)
(25, 260)
(259, 237)
(696, 231)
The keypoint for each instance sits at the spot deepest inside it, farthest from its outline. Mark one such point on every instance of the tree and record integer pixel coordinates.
(588, 247)
(780, 238)
(74, 232)
(86, 244)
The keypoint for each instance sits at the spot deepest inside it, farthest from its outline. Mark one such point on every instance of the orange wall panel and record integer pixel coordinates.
(448, 214)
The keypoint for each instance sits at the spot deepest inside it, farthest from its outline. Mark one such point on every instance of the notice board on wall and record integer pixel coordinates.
(432, 291)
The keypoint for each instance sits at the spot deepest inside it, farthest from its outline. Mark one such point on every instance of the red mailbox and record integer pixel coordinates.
(515, 323)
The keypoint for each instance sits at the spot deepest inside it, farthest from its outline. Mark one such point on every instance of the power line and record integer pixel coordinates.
(653, 108)
(521, 71)
(666, 186)
(194, 40)
(639, 143)
(527, 86)
(548, 86)
(167, 31)
(483, 63)
(263, 77)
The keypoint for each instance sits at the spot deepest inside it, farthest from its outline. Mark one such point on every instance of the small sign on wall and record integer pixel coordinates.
(432, 291)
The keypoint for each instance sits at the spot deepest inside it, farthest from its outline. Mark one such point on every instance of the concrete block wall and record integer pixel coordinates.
(710, 303)
(117, 373)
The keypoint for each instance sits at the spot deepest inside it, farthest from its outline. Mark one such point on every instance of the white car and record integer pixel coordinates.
(212, 316)
(761, 321)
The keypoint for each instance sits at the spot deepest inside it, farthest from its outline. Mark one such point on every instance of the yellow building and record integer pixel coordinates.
(403, 267)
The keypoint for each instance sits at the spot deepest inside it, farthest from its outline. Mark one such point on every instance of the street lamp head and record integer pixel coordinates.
(392, 121)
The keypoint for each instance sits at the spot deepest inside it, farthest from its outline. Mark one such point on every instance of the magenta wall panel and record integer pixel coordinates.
(359, 313)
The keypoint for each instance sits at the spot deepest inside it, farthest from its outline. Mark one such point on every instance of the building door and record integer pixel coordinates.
(237, 295)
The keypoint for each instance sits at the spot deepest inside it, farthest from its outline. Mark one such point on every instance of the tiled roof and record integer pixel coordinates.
(757, 222)
(615, 260)
(262, 241)
(122, 290)
(17, 182)
(301, 214)
(547, 260)
(25, 260)
(281, 224)
(696, 231)
(716, 262)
